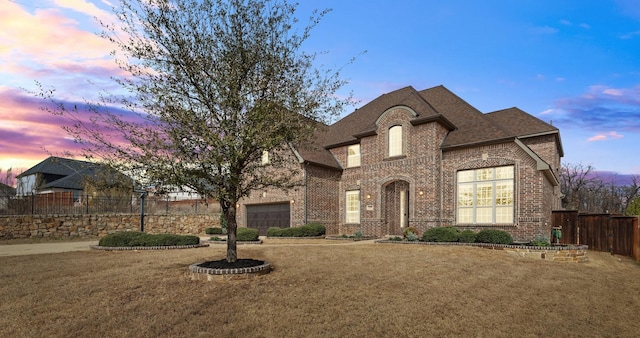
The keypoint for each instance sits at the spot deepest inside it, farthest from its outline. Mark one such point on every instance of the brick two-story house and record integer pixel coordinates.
(423, 159)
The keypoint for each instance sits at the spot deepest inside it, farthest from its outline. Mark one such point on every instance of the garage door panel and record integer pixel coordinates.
(264, 216)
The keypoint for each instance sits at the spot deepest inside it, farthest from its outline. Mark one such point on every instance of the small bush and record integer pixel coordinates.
(494, 236)
(358, 234)
(309, 230)
(467, 236)
(136, 238)
(408, 230)
(247, 234)
(441, 234)
(411, 237)
(396, 239)
(273, 232)
(541, 240)
(213, 231)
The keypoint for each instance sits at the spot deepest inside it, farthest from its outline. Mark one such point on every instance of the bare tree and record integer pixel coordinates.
(584, 190)
(9, 177)
(575, 181)
(215, 83)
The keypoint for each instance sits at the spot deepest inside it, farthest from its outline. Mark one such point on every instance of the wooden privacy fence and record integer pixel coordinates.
(619, 235)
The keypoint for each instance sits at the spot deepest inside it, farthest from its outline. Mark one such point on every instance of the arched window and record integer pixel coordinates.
(395, 141)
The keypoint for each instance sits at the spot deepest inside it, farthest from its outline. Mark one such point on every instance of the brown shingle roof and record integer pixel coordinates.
(467, 125)
(363, 120)
(519, 123)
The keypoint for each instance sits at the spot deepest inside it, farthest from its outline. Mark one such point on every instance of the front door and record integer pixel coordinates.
(396, 207)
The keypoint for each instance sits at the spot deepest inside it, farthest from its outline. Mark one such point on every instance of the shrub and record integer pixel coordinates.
(467, 236)
(541, 240)
(411, 237)
(213, 231)
(408, 230)
(358, 234)
(309, 230)
(136, 238)
(494, 236)
(274, 232)
(247, 234)
(396, 239)
(119, 238)
(441, 234)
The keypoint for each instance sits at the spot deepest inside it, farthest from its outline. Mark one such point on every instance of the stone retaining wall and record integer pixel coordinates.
(99, 225)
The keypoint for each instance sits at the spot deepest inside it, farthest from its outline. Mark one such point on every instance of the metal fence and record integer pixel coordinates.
(65, 203)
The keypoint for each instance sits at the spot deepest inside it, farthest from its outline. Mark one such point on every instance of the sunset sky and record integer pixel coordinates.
(573, 63)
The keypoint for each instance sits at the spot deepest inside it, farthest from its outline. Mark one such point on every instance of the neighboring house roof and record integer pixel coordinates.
(70, 174)
(57, 166)
(6, 190)
(467, 125)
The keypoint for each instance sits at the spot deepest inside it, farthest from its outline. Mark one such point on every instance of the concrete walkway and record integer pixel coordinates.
(44, 248)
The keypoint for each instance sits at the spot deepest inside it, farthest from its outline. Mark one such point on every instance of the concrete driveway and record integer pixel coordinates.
(44, 248)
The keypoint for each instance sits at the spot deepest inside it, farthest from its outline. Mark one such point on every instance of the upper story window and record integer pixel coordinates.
(353, 155)
(395, 141)
(486, 196)
(265, 157)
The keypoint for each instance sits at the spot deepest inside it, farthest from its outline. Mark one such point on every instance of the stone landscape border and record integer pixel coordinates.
(159, 247)
(211, 274)
(237, 242)
(570, 253)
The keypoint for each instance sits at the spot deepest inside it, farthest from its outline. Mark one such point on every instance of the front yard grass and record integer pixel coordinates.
(322, 289)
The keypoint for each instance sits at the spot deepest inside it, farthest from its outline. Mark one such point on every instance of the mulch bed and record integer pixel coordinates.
(238, 264)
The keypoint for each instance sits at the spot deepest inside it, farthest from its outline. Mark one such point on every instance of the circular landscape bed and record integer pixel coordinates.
(223, 270)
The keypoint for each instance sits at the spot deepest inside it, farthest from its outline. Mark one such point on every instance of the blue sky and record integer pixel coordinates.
(574, 63)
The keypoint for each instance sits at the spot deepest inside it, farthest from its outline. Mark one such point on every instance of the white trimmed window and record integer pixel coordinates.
(352, 207)
(265, 157)
(353, 156)
(485, 196)
(395, 141)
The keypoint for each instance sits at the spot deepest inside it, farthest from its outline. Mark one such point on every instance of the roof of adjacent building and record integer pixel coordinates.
(467, 125)
(7, 190)
(72, 173)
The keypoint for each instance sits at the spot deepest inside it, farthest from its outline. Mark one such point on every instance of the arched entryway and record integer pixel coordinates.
(396, 206)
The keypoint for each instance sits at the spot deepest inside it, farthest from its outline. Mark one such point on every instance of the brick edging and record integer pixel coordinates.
(196, 268)
(237, 242)
(299, 237)
(158, 247)
(489, 245)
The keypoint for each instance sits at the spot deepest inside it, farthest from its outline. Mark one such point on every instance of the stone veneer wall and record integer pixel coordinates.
(99, 225)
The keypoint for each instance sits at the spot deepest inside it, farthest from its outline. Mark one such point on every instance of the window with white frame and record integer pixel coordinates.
(486, 196)
(395, 141)
(352, 207)
(353, 155)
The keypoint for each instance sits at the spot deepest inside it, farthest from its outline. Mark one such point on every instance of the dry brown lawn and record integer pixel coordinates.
(320, 288)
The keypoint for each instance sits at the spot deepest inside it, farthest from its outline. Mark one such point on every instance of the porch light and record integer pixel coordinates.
(293, 201)
(420, 192)
(368, 196)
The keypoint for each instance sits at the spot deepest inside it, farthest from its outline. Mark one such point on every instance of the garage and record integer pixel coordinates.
(264, 216)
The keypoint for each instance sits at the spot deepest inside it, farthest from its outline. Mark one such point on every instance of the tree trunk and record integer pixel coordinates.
(232, 229)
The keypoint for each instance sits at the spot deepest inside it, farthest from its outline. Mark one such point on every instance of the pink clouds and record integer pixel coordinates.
(36, 43)
(612, 135)
(600, 109)
(29, 134)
